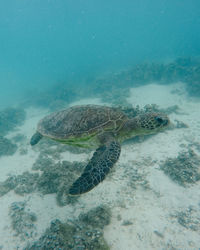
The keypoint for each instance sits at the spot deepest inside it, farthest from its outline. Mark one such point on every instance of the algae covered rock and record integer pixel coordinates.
(7, 147)
(83, 233)
(54, 177)
(22, 184)
(26, 183)
(184, 169)
(43, 162)
(97, 217)
(57, 178)
(9, 184)
(188, 218)
(22, 220)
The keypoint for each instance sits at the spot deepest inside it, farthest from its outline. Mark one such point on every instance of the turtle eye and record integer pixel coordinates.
(159, 119)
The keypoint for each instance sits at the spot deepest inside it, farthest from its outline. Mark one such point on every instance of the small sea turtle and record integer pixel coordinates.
(99, 127)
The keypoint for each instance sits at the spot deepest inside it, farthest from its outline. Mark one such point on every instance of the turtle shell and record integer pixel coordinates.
(81, 121)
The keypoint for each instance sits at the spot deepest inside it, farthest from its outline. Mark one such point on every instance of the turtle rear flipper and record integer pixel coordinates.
(35, 138)
(98, 167)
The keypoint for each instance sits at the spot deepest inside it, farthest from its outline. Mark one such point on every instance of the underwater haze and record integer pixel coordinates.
(122, 173)
(43, 43)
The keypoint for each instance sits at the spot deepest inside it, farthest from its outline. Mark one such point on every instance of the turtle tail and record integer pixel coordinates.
(98, 167)
(35, 138)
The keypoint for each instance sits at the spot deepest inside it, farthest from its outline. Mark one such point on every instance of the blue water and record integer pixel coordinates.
(43, 42)
(55, 52)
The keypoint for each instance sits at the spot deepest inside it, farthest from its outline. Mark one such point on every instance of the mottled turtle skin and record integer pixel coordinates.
(98, 127)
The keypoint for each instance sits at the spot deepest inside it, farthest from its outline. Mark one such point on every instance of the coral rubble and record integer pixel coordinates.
(7, 147)
(22, 220)
(84, 233)
(184, 169)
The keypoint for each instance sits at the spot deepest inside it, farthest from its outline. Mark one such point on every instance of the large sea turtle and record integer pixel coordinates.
(99, 127)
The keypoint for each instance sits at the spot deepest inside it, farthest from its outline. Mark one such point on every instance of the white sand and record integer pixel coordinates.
(161, 95)
(87, 101)
(149, 209)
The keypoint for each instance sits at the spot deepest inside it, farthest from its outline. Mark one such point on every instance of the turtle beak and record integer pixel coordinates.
(166, 122)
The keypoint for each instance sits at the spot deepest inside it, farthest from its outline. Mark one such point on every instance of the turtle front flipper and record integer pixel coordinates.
(98, 167)
(35, 138)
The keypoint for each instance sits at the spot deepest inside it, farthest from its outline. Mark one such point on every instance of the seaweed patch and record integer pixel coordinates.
(184, 169)
(188, 218)
(84, 233)
(22, 220)
(7, 147)
(54, 178)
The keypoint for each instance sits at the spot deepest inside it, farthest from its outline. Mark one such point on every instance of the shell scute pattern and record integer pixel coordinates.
(80, 120)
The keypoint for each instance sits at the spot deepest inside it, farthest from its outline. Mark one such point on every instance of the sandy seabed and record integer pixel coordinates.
(143, 200)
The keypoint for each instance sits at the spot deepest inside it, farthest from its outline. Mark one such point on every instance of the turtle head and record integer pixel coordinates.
(152, 122)
(148, 123)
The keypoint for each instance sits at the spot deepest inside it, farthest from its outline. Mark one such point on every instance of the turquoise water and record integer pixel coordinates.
(47, 42)
(138, 55)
